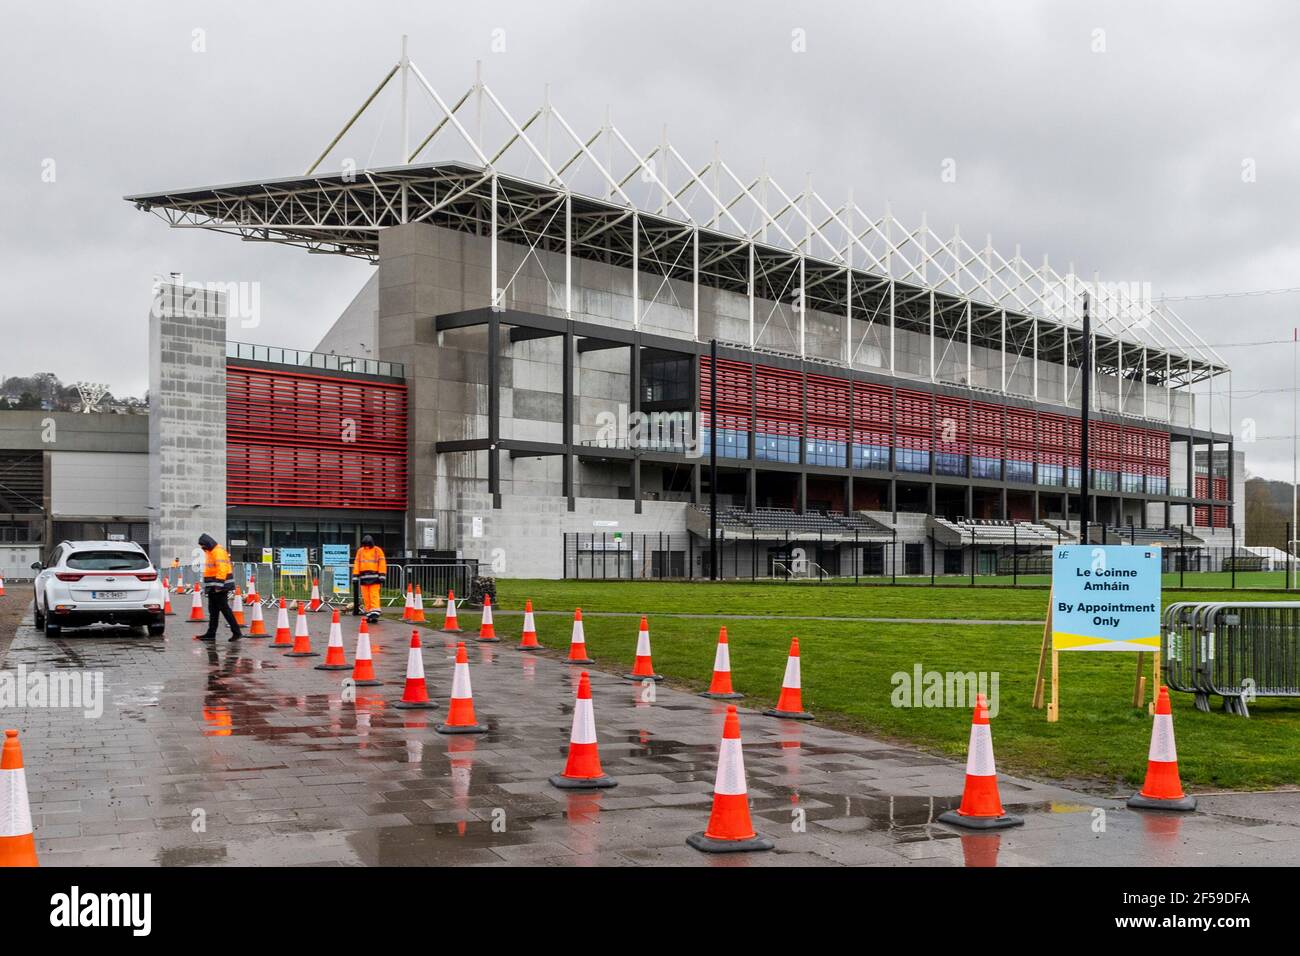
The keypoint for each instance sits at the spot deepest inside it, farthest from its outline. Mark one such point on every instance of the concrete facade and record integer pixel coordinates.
(425, 271)
(99, 484)
(187, 422)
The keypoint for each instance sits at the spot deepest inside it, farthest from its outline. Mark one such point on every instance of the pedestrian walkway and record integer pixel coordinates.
(232, 754)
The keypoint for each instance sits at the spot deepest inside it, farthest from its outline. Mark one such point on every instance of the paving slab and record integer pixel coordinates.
(234, 755)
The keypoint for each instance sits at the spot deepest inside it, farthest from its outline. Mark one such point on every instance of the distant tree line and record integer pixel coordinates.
(45, 390)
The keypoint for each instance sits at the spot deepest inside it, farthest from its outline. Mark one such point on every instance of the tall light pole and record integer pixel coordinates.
(713, 460)
(1084, 471)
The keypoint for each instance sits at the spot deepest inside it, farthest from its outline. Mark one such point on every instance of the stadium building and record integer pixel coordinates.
(555, 320)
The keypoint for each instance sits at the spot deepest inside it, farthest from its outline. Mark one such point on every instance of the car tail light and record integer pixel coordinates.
(63, 576)
(148, 577)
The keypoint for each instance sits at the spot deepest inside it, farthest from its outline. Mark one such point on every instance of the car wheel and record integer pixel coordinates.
(52, 629)
(156, 630)
(39, 616)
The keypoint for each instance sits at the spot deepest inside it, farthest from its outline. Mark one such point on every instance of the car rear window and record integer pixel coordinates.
(108, 561)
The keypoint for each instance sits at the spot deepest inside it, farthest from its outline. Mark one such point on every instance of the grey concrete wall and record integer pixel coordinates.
(524, 538)
(187, 424)
(69, 431)
(425, 271)
(355, 332)
(107, 484)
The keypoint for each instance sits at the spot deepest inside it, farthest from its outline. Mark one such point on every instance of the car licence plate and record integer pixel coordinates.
(108, 595)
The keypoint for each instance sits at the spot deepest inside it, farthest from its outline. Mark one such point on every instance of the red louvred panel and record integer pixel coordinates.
(828, 408)
(299, 440)
(951, 425)
(913, 413)
(733, 392)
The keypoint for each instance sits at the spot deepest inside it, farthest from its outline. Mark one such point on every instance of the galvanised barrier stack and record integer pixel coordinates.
(1239, 651)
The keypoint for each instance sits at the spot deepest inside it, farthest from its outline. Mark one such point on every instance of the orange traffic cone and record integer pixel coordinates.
(449, 623)
(167, 600)
(315, 602)
(2, 585)
(981, 807)
(643, 669)
(17, 839)
(790, 703)
(460, 712)
(282, 638)
(301, 637)
(528, 641)
(582, 769)
(334, 658)
(578, 645)
(257, 626)
(1163, 790)
(487, 632)
(417, 614)
(408, 612)
(416, 694)
(196, 607)
(237, 608)
(730, 829)
(720, 688)
(363, 669)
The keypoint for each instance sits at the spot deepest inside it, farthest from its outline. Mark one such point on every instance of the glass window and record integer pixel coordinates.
(982, 466)
(947, 463)
(108, 561)
(910, 459)
(1020, 471)
(826, 453)
(871, 456)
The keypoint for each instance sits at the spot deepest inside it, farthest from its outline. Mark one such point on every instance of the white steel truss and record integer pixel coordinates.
(545, 187)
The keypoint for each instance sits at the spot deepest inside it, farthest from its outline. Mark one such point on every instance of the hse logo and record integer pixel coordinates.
(74, 908)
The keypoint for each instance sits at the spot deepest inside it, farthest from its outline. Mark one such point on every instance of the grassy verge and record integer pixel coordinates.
(849, 674)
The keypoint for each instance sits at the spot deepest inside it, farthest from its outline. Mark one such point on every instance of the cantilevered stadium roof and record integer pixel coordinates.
(600, 199)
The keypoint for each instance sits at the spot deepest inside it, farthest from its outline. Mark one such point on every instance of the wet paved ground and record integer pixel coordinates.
(265, 752)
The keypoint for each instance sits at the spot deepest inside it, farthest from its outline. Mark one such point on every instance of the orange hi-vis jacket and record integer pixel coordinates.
(370, 566)
(218, 572)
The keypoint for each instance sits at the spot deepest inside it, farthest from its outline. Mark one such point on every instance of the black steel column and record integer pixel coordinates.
(713, 459)
(494, 407)
(635, 407)
(566, 389)
(1085, 488)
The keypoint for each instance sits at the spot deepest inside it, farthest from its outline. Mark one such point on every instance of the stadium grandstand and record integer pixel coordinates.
(561, 324)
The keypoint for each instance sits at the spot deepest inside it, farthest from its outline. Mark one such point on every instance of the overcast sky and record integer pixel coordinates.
(1110, 135)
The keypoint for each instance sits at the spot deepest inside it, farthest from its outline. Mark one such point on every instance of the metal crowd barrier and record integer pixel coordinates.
(1237, 651)
(435, 580)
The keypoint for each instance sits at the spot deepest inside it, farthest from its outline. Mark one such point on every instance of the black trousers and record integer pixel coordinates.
(219, 607)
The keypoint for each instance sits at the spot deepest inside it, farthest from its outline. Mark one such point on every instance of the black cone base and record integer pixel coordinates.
(366, 683)
(471, 729)
(709, 845)
(419, 705)
(585, 660)
(1139, 802)
(582, 783)
(712, 696)
(638, 678)
(302, 654)
(789, 714)
(333, 667)
(953, 818)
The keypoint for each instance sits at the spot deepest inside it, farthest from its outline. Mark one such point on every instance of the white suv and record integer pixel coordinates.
(98, 582)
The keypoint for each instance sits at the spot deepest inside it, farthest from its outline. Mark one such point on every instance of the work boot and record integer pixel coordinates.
(236, 636)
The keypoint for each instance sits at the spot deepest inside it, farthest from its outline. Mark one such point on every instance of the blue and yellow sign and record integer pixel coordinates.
(1105, 598)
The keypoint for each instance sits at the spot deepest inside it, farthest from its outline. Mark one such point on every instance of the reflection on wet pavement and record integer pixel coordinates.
(221, 754)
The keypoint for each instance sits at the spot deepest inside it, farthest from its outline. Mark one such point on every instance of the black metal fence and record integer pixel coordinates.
(991, 555)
